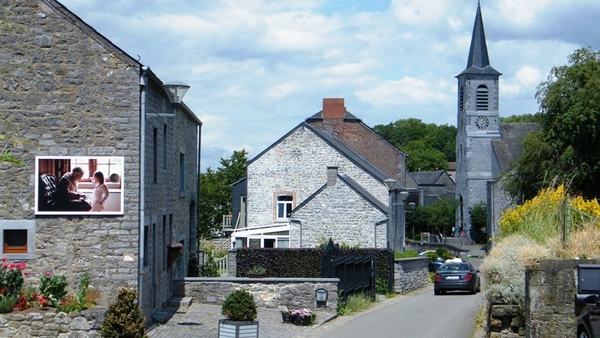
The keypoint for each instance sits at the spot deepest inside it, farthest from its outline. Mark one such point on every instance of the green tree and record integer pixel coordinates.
(216, 193)
(429, 146)
(568, 147)
(440, 215)
(526, 118)
(478, 216)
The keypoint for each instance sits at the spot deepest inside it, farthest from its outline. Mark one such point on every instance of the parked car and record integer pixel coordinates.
(434, 261)
(454, 276)
(588, 323)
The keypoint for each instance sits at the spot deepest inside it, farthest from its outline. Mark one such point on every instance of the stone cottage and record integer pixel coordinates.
(325, 178)
(78, 101)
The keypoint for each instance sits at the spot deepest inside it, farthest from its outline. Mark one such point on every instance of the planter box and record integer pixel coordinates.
(233, 329)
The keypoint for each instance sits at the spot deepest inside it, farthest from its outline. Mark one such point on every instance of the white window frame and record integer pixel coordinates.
(28, 225)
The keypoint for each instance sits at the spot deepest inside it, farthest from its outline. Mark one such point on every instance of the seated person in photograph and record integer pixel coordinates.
(100, 192)
(66, 193)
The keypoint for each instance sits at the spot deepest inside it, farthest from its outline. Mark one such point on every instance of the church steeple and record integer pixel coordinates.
(479, 61)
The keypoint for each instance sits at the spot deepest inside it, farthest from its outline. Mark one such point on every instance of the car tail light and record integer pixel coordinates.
(438, 278)
(468, 277)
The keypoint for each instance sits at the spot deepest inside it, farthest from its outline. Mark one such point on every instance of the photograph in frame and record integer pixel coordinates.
(79, 185)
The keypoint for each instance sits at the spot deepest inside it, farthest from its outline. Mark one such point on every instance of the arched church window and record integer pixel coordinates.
(482, 98)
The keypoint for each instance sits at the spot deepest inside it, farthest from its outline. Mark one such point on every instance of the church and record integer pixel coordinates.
(485, 147)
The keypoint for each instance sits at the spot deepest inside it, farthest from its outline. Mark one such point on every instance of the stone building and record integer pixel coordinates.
(78, 100)
(325, 178)
(484, 147)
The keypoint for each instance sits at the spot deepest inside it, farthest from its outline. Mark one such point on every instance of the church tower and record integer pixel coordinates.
(478, 126)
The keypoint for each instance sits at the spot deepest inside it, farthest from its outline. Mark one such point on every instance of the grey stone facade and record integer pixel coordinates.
(70, 92)
(298, 164)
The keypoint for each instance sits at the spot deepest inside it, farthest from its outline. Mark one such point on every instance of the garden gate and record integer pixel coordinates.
(356, 271)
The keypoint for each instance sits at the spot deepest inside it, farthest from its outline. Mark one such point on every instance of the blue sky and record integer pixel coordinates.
(257, 68)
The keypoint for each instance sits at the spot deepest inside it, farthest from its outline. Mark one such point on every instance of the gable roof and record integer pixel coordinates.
(423, 178)
(352, 184)
(509, 148)
(336, 144)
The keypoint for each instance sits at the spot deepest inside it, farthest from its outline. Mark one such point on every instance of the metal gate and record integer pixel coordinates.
(356, 271)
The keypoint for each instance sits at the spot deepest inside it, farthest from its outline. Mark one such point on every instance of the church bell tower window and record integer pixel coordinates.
(482, 98)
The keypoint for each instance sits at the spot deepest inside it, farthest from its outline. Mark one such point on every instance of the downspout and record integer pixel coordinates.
(198, 197)
(143, 84)
(375, 224)
(293, 220)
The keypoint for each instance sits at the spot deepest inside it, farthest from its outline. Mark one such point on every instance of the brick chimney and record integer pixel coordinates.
(333, 108)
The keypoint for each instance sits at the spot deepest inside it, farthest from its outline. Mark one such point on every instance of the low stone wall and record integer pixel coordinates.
(550, 293)
(36, 323)
(267, 292)
(410, 274)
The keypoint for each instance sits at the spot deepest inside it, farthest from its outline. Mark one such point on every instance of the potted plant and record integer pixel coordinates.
(303, 317)
(174, 251)
(240, 309)
(257, 271)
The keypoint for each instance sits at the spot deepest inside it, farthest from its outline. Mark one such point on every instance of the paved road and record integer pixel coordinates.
(418, 314)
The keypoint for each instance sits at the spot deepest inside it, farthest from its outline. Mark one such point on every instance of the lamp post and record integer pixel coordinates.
(401, 231)
(175, 90)
(391, 225)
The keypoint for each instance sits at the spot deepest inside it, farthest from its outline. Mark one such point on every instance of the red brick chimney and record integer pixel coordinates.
(333, 108)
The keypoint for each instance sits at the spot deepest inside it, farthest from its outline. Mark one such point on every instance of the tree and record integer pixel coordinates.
(430, 147)
(216, 194)
(440, 215)
(567, 149)
(525, 118)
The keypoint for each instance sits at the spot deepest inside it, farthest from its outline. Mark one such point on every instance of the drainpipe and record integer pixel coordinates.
(198, 195)
(375, 224)
(294, 220)
(143, 84)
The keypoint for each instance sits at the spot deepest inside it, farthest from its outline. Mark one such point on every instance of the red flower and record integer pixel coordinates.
(48, 273)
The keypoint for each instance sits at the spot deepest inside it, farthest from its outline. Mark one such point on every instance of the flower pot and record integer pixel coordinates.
(285, 317)
(234, 329)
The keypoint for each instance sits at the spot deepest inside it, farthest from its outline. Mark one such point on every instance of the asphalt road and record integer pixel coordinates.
(417, 315)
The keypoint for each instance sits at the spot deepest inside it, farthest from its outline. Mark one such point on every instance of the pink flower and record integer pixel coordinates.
(4, 259)
(26, 273)
(48, 273)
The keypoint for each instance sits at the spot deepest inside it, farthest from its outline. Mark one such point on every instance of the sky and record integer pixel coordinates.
(258, 68)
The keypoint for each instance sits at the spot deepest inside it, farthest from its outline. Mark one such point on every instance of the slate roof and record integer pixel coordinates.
(428, 177)
(509, 148)
(354, 186)
(479, 60)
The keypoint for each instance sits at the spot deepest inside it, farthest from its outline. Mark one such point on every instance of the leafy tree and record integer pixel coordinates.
(478, 216)
(568, 147)
(440, 215)
(526, 118)
(216, 193)
(429, 146)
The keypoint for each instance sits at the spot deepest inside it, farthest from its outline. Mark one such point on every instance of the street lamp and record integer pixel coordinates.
(400, 238)
(390, 184)
(175, 91)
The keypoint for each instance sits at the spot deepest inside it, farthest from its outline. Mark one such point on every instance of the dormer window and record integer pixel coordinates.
(482, 98)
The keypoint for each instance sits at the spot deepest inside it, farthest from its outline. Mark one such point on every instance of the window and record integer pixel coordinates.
(461, 99)
(165, 143)
(146, 246)
(284, 206)
(482, 98)
(181, 172)
(155, 156)
(18, 238)
(110, 165)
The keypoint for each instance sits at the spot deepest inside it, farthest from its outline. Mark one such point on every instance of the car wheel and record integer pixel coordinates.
(583, 333)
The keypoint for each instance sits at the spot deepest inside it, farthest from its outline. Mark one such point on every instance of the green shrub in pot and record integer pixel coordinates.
(239, 305)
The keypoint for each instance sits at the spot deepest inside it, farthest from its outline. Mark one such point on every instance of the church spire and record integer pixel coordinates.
(479, 61)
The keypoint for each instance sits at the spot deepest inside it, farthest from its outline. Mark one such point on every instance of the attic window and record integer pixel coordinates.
(482, 98)
(284, 206)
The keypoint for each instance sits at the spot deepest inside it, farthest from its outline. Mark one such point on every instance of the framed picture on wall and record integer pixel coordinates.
(79, 185)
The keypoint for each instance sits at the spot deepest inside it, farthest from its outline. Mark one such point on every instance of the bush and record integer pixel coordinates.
(239, 305)
(7, 304)
(124, 318)
(53, 288)
(210, 268)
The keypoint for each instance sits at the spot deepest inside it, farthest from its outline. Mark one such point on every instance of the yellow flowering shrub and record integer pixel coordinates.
(541, 217)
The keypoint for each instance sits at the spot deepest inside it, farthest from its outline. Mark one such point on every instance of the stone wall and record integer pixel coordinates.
(410, 274)
(550, 292)
(268, 292)
(51, 324)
